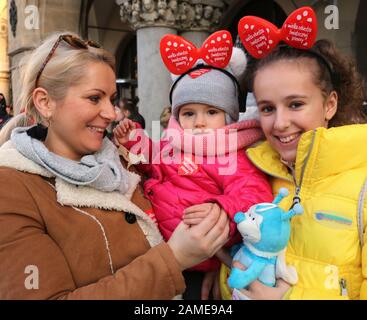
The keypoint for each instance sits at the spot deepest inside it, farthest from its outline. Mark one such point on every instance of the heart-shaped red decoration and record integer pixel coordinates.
(217, 49)
(258, 36)
(300, 28)
(178, 54)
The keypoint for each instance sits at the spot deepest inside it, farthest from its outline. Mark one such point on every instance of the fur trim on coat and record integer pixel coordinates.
(83, 196)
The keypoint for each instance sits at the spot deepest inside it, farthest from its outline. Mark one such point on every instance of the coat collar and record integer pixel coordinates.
(82, 196)
(324, 152)
(264, 157)
(69, 194)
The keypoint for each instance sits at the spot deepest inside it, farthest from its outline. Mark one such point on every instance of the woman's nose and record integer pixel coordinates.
(108, 112)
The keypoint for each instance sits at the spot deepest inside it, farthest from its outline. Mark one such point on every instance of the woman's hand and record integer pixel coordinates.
(192, 245)
(259, 291)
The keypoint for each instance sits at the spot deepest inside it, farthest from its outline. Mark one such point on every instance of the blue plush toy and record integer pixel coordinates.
(265, 229)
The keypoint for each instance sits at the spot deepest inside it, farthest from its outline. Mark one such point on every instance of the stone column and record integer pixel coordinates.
(4, 61)
(30, 23)
(153, 19)
(154, 80)
(199, 18)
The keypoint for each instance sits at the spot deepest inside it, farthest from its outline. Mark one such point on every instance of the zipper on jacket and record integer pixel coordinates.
(297, 198)
(361, 202)
(343, 287)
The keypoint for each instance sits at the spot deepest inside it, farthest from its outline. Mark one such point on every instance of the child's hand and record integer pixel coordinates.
(122, 131)
(195, 214)
(210, 285)
(224, 256)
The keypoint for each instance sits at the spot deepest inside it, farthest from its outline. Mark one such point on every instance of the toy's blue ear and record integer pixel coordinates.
(239, 216)
(283, 192)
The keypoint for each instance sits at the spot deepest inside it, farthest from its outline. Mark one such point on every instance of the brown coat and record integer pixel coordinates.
(80, 250)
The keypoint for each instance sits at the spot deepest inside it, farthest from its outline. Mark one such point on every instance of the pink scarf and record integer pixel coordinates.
(218, 142)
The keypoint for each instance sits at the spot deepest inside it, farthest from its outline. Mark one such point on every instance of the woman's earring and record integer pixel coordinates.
(48, 121)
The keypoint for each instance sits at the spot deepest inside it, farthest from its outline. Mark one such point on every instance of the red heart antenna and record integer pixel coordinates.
(260, 36)
(180, 55)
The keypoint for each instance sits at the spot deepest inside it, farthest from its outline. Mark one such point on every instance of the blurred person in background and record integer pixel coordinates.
(4, 115)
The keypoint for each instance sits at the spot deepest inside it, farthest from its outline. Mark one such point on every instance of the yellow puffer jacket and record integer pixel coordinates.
(326, 244)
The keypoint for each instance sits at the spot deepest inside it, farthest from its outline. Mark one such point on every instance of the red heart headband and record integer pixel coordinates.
(260, 36)
(180, 55)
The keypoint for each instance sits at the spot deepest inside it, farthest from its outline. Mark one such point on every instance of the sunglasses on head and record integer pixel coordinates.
(71, 40)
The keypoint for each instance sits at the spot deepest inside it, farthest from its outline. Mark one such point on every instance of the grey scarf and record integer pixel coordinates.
(101, 170)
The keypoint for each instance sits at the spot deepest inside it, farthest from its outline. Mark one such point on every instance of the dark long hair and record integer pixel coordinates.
(343, 78)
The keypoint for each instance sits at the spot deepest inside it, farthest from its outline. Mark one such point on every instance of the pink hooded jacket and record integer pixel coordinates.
(218, 171)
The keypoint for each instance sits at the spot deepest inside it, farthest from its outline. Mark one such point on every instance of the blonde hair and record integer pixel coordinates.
(165, 116)
(65, 69)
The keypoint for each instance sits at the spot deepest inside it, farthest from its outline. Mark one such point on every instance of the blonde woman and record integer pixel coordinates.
(70, 214)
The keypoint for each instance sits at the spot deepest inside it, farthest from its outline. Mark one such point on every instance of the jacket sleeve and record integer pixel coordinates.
(158, 278)
(32, 266)
(243, 188)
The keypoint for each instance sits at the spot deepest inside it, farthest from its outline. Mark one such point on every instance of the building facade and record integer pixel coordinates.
(132, 29)
(4, 60)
